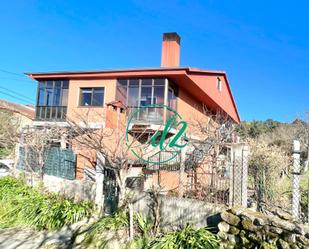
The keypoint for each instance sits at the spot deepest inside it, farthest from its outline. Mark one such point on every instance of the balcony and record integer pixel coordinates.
(145, 99)
(149, 115)
(146, 115)
(51, 113)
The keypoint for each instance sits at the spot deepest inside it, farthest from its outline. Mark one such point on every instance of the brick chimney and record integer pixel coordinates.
(170, 50)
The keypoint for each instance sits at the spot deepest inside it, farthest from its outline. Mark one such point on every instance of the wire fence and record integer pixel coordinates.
(223, 182)
(288, 193)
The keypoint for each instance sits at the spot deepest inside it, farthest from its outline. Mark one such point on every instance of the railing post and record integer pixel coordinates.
(131, 227)
(165, 100)
(182, 171)
(238, 180)
(99, 197)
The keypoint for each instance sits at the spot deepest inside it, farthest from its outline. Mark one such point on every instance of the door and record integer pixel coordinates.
(110, 191)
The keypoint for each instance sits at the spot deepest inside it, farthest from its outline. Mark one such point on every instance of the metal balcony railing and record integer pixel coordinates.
(146, 115)
(149, 115)
(50, 113)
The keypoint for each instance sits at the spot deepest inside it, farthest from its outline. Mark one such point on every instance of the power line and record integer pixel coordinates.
(8, 72)
(12, 93)
(12, 96)
(25, 80)
(19, 94)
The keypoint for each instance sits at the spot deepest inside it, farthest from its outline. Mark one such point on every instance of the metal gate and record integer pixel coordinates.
(111, 191)
(58, 162)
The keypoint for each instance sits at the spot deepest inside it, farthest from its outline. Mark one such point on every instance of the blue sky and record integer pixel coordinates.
(262, 45)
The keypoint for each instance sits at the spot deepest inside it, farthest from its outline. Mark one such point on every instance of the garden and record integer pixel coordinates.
(25, 207)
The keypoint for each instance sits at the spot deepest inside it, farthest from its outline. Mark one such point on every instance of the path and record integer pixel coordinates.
(29, 239)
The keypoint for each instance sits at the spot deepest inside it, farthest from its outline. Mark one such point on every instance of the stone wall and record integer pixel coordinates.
(177, 212)
(79, 190)
(244, 228)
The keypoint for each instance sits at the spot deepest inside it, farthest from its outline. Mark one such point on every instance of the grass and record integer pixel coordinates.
(24, 206)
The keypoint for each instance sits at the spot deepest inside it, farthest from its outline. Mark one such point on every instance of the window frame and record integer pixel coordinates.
(219, 84)
(44, 88)
(92, 94)
(140, 85)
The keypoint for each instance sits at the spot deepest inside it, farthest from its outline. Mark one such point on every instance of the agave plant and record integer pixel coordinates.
(187, 238)
(144, 224)
(21, 205)
(96, 233)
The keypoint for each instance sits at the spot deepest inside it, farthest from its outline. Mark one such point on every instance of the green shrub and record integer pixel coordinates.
(139, 243)
(99, 234)
(143, 224)
(4, 152)
(21, 205)
(143, 233)
(188, 238)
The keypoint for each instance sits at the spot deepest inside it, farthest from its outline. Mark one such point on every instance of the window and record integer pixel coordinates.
(49, 93)
(92, 96)
(41, 99)
(141, 92)
(146, 92)
(64, 97)
(219, 84)
(133, 93)
(57, 93)
(122, 91)
(171, 98)
(136, 93)
(53, 93)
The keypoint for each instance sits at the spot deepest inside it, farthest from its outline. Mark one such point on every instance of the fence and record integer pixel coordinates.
(239, 175)
(213, 179)
(300, 185)
(209, 183)
(57, 162)
(222, 182)
(288, 190)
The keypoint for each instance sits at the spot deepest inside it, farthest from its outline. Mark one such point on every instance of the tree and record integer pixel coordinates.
(36, 141)
(268, 166)
(111, 146)
(284, 134)
(302, 134)
(9, 131)
(254, 129)
(213, 131)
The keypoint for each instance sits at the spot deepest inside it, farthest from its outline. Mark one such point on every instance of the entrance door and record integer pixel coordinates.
(110, 191)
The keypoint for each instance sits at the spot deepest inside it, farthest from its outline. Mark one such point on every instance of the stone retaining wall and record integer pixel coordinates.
(177, 212)
(244, 228)
(79, 190)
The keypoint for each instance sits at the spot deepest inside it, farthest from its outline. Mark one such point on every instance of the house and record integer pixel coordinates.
(24, 113)
(20, 116)
(104, 95)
